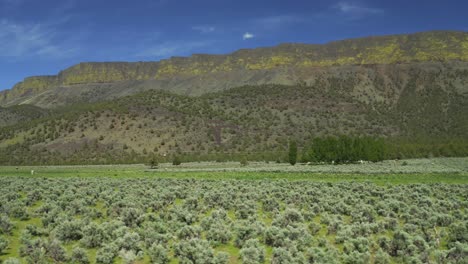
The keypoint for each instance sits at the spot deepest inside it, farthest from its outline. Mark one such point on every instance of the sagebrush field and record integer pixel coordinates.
(182, 217)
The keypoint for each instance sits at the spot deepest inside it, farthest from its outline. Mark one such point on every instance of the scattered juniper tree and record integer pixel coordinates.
(176, 161)
(153, 163)
(292, 155)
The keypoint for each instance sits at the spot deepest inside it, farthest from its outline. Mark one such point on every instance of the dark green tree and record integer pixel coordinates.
(292, 152)
(176, 161)
(153, 162)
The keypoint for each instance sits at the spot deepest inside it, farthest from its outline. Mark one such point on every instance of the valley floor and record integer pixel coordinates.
(443, 170)
(388, 212)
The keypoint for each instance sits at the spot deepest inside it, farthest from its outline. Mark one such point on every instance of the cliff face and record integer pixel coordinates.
(30, 86)
(396, 49)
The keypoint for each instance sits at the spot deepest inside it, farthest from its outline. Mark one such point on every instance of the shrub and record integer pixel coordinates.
(150, 237)
(319, 255)
(131, 216)
(245, 210)
(69, 230)
(189, 232)
(401, 243)
(37, 255)
(458, 233)
(196, 251)
(3, 244)
(459, 253)
(252, 252)
(93, 235)
(56, 251)
(289, 217)
(34, 230)
(270, 204)
(360, 244)
(5, 225)
(130, 241)
(20, 212)
(245, 231)
(281, 256)
(106, 254)
(314, 228)
(158, 254)
(219, 233)
(382, 257)
(275, 236)
(79, 256)
(128, 256)
(355, 257)
(11, 261)
(221, 258)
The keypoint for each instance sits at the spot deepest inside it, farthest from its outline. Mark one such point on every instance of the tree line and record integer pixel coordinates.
(344, 149)
(351, 149)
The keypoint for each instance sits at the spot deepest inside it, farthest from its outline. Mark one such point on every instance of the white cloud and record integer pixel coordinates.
(274, 22)
(168, 49)
(247, 35)
(355, 10)
(204, 29)
(23, 39)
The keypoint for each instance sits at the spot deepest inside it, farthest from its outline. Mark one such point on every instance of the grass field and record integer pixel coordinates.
(439, 170)
(411, 211)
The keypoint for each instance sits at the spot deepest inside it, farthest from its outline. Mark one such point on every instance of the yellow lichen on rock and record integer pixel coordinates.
(385, 54)
(464, 49)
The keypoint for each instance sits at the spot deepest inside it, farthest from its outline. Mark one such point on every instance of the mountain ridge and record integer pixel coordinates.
(392, 49)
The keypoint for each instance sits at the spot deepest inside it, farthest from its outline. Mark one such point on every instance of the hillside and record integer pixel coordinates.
(199, 74)
(410, 89)
(20, 113)
(254, 121)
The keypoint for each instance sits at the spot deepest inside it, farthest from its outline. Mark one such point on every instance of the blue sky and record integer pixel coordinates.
(44, 37)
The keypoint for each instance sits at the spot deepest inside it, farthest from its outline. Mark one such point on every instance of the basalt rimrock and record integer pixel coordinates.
(203, 73)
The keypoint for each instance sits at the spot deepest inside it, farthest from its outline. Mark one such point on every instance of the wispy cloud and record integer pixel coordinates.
(343, 11)
(247, 36)
(23, 39)
(355, 10)
(168, 49)
(204, 29)
(278, 21)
